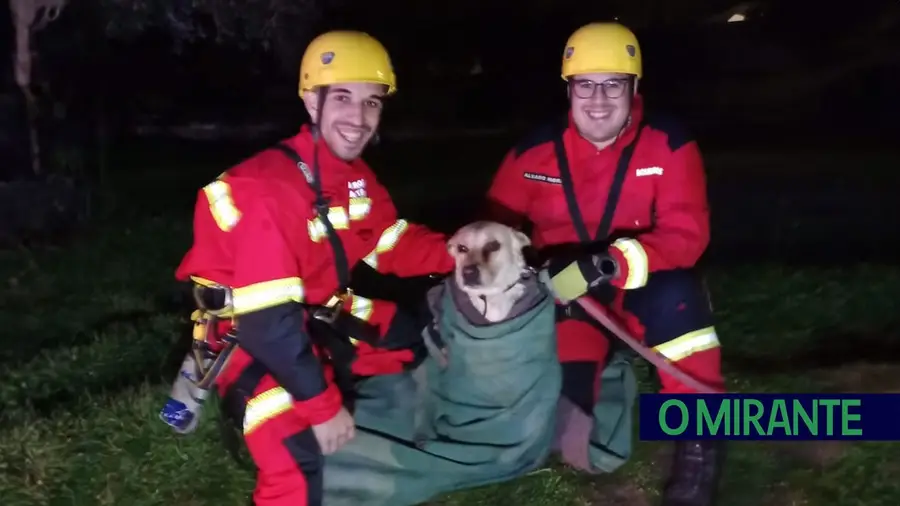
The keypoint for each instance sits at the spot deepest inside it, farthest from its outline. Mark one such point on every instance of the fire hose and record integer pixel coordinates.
(596, 311)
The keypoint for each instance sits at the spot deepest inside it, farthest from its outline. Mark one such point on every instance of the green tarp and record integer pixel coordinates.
(485, 417)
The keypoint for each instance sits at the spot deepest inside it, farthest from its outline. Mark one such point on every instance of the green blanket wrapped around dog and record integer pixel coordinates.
(484, 415)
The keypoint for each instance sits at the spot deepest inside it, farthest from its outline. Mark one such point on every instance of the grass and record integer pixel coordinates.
(89, 332)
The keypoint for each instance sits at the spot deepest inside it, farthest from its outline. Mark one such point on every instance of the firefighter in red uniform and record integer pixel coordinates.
(617, 200)
(278, 235)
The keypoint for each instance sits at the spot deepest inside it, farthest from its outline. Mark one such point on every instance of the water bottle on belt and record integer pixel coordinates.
(195, 380)
(185, 403)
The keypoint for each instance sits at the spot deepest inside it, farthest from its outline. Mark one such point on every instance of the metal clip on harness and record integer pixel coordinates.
(330, 311)
(206, 375)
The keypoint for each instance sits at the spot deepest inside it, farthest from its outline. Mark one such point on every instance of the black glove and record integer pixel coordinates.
(569, 278)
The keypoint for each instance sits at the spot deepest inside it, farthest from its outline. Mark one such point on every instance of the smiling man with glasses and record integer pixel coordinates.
(617, 200)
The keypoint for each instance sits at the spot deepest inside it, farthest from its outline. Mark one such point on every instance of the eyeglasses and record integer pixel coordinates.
(612, 88)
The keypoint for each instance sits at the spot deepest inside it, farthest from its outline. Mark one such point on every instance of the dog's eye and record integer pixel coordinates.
(491, 247)
(461, 248)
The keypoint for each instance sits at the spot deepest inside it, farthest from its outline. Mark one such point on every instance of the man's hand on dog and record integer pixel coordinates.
(569, 278)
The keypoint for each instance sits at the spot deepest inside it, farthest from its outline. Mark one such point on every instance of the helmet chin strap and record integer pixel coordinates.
(321, 94)
(630, 108)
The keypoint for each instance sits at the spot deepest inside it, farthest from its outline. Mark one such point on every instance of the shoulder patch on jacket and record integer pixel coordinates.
(677, 133)
(542, 135)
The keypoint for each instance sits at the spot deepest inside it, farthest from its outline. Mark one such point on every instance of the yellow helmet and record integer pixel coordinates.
(602, 47)
(346, 57)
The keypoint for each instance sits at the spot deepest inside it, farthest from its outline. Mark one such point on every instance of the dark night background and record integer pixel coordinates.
(142, 102)
(794, 107)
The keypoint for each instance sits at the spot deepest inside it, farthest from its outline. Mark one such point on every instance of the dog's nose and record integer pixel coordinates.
(470, 275)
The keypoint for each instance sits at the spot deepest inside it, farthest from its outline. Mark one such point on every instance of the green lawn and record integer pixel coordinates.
(89, 332)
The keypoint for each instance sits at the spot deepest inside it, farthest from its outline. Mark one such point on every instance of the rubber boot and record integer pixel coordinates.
(696, 469)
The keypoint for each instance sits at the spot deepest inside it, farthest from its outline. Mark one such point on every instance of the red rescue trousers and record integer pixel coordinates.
(277, 431)
(671, 314)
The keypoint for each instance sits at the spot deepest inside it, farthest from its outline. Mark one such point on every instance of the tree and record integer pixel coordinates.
(29, 17)
(280, 26)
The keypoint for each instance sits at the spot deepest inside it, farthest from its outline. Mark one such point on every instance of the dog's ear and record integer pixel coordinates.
(523, 243)
(451, 242)
(520, 240)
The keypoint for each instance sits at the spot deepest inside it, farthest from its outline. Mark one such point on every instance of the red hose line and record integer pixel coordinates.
(596, 311)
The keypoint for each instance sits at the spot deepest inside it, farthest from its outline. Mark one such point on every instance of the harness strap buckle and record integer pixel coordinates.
(330, 311)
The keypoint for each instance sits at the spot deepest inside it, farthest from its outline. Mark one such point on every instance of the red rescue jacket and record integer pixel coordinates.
(256, 230)
(662, 214)
(661, 220)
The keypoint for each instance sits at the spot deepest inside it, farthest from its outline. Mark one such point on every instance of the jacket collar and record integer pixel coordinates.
(332, 170)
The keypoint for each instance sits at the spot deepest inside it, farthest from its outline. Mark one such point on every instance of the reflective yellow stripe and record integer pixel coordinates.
(208, 283)
(338, 218)
(267, 294)
(638, 267)
(688, 344)
(266, 406)
(360, 207)
(221, 205)
(361, 308)
(203, 281)
(386, 242)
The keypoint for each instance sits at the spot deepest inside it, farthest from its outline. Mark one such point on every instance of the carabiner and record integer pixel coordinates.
(329, 312)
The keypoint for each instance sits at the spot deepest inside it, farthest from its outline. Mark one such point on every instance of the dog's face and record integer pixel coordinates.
(488, 256)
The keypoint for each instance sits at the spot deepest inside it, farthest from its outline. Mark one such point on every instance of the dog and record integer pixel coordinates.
(490, 267)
